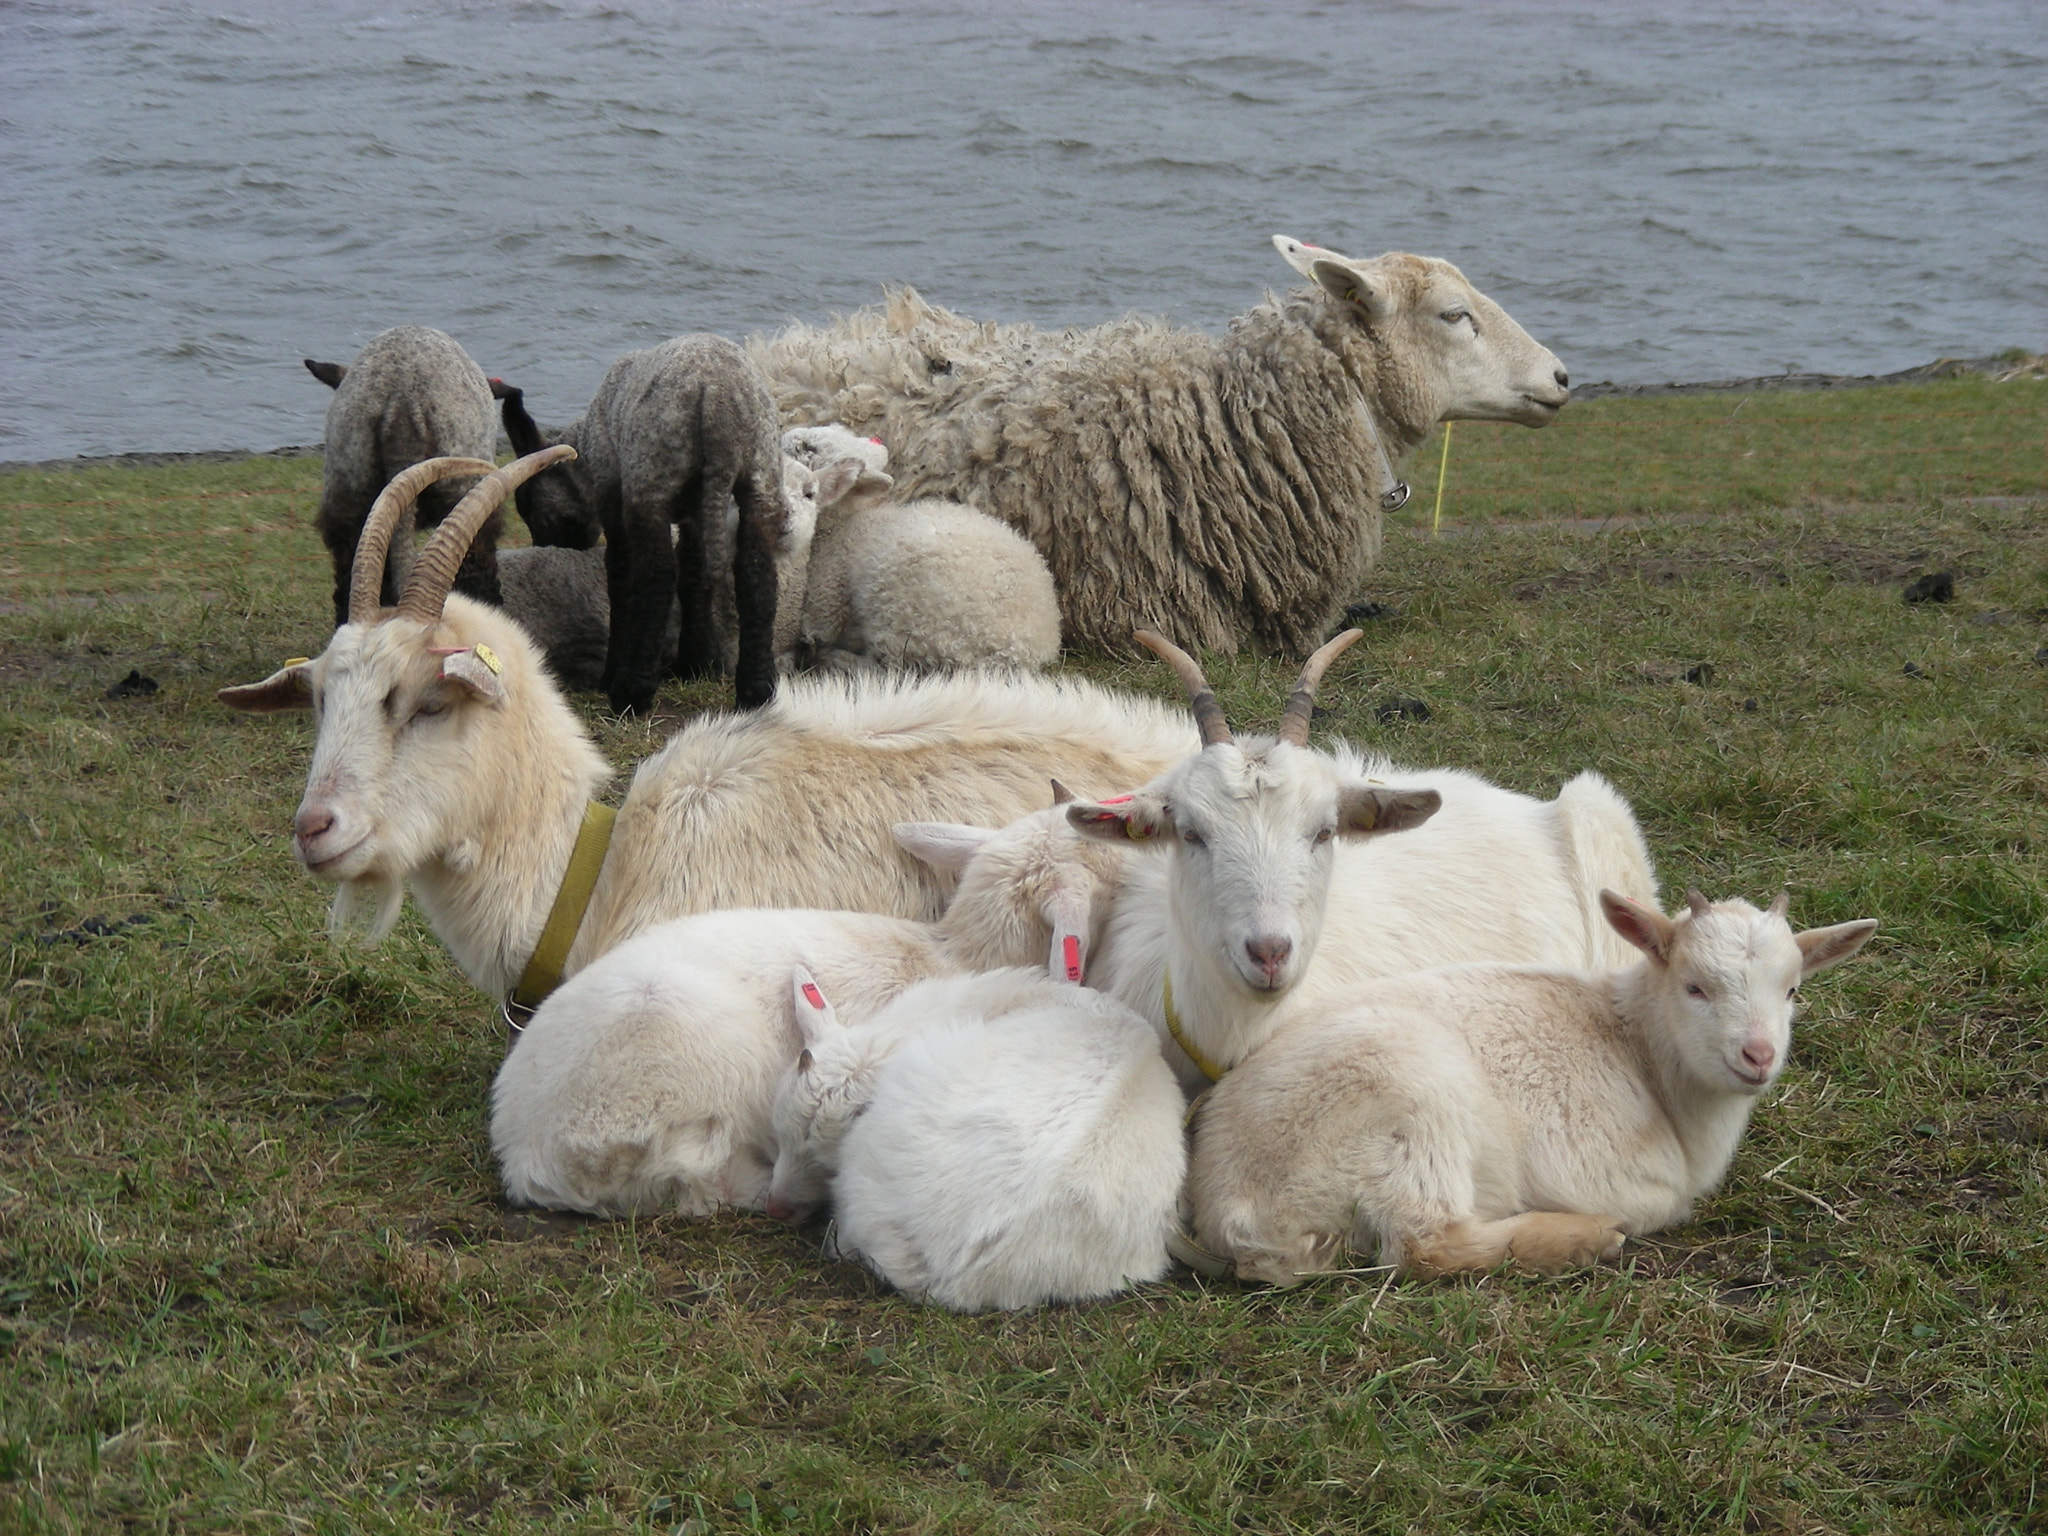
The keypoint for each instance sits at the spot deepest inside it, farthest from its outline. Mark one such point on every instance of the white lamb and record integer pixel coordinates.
(927, 585)
(647, 1081)
(1021, 1145)
(1455, 1119)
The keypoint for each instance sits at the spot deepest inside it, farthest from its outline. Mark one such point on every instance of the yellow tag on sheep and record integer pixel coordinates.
(296, 661)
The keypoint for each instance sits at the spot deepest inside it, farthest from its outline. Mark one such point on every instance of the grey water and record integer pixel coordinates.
(194, 196)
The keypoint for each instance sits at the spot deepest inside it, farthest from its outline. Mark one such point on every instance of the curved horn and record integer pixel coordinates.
(373, 544)
(1201, 697)
(1697, 903)
(1301, 704)
(434, 572)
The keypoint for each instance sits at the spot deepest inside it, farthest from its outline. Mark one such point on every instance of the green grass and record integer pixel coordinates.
(254, 1275)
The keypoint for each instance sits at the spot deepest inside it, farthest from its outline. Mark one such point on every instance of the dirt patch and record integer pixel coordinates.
(1769, 563)
(2004, 368)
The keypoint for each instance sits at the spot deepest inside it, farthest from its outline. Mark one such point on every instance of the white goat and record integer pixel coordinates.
(1270, 892)
(445, 757)
(1455, 1119)
(1020, 1144)
(647, 1081)
(927, 585)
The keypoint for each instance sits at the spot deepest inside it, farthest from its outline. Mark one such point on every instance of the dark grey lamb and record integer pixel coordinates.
(411, 394)
(674, 436)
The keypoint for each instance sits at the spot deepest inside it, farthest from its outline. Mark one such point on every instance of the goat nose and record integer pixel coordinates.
(1269, 954)
(1564, 380)
(778, 1208)
(311, 822)
(1759, 1054)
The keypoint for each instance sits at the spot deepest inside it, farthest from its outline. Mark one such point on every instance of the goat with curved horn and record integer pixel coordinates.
(1201, 697)
(434, 572)
(1301, 704)
(373, 545)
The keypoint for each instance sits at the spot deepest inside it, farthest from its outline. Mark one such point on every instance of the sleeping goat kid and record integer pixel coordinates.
(647, 1081)
(1459, 1118)
(927, 585)
(1020, 1144)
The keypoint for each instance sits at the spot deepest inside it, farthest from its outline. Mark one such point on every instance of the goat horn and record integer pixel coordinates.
(1201, 697)
(434, 572)
(1061, 795)
(373, 544)
(1301, 704)
(1698, 903)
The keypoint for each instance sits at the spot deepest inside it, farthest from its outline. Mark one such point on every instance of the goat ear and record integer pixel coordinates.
(1645, 927)
(500, 390)
(289, 687)
(1068, 915)
(1820, 948)
(815, 1018)
(941, 844)
(1362, 810)
(476, 668)
(1126, 818)
(330, 374)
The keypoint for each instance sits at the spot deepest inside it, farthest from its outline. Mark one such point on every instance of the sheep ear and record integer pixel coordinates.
(941, 844)
(837, 479)
(1125, 818)
(1820, 948)
(1361, 811)
(289, 687)
(1645, 927)
(1341, 277)
(815, 1018)
(330, 374)
(477, 669)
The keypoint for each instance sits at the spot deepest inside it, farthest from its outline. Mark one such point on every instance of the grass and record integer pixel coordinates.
(254, 1274)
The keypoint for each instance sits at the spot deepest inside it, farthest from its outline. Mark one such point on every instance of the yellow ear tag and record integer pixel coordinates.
(296, 661)
(1135, 833)
(488, 657)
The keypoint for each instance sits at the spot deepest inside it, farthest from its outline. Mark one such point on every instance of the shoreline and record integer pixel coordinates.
(2004, 366)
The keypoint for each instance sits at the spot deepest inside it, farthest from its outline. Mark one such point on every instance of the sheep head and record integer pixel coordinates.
(1455, 355)
(1250, 827)
(1723, 981)
(402, 698)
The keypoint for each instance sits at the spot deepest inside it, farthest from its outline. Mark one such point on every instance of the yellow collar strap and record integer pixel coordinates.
(1203, 1064)
(543, 972)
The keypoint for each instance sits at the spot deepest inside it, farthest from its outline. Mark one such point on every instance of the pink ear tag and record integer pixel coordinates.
(1117, 800)
(1070, 952)
(813, 996)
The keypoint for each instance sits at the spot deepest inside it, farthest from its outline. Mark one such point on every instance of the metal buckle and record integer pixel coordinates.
(516, 1017)
(1395, 499)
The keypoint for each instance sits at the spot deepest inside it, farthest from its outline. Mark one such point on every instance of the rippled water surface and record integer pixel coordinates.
(192, 198)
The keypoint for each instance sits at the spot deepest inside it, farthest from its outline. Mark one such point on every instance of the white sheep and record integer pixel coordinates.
(412, 394)
(647, 1081)
(1263, 887)
(923, 584)
(1231, 485)
(1459, 1118)
(1020, 1144)
(469, 780)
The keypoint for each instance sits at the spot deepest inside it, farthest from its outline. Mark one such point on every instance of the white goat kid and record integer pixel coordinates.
(647, 1082)
(1456, 1119)
(996, 1141)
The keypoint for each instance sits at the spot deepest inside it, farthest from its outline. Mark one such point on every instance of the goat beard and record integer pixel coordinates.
(366, 908)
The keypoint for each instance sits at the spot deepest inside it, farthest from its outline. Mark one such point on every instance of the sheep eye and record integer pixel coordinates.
(1694, 989)
(1453, 316)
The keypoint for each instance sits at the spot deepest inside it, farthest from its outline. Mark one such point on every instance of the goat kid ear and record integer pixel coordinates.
(1365, 811)
(330, 374)
(289, 687)
(1126, 818)
(1068, 914)
(1645, 927)
(941, 844)
(837, 479)
(477, 669)
(815, 1018)
(1820, 948)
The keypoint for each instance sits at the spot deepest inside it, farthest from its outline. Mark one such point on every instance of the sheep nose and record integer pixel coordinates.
(1564, 380)
(1269, 954)
(778, 1208)
(311, 822)
(1759, 1054)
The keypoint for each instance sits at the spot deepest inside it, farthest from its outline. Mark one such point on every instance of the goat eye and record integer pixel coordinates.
(1324, 835)
(1194, 839)
(1694, 989)
(430, 707)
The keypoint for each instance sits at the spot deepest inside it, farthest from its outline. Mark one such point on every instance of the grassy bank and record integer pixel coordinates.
(254, 1276)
